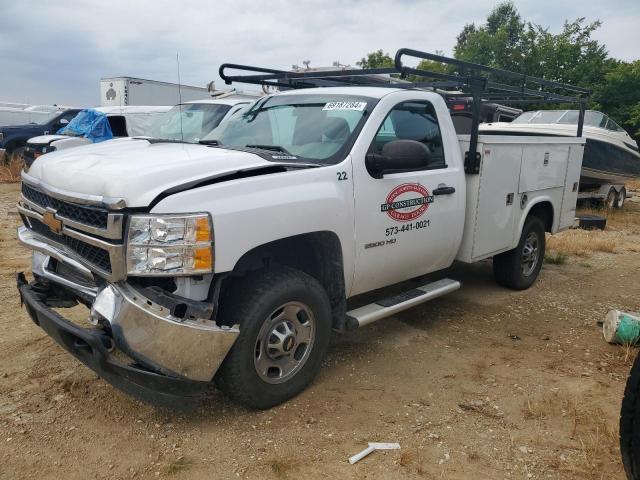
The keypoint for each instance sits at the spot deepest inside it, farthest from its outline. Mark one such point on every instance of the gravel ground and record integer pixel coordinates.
(483, 383)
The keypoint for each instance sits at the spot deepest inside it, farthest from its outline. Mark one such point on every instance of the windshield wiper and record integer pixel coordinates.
(273, 148)
(209, 142)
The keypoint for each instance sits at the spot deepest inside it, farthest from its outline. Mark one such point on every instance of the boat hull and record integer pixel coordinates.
(602, 163)
(607, 163)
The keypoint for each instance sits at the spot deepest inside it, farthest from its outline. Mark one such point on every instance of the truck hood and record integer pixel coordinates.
(137, 170)
(45, 139)
(26, 126)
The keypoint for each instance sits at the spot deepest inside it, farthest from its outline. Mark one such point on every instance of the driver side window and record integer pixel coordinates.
(416, 121)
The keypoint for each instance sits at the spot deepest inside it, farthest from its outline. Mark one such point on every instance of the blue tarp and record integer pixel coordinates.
(89, 123)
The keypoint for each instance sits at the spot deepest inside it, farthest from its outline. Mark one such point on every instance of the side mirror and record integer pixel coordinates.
(397, 157)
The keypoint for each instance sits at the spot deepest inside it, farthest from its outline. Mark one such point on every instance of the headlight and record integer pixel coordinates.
(170, 244)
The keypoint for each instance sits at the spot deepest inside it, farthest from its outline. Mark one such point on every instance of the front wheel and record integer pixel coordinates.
(285, 326)
(519, 268)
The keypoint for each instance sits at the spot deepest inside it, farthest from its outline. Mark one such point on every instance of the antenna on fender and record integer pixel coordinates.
(179, 97)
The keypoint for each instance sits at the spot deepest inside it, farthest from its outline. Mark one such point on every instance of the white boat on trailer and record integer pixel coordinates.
(611, 155)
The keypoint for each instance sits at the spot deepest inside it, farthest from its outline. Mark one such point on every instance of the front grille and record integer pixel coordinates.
(95, 255)
(92, 216)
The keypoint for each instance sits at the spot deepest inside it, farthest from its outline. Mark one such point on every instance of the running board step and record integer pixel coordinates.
(391, 305)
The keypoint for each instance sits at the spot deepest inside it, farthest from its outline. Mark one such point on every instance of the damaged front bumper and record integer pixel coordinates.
(173, 359)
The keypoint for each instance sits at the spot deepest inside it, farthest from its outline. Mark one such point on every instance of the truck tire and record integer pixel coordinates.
(285, 326)
(621, 197)
(610, 201)
(630, 424)
(518, 268)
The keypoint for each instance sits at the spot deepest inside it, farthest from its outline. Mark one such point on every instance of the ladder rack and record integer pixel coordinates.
(464, 79)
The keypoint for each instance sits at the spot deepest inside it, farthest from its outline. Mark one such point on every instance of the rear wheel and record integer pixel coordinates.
(610, 201)
(519, 268)
(621, 197)
(285, 326)
(630, 424)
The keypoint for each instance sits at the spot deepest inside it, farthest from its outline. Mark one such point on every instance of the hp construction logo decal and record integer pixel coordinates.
(407, 202)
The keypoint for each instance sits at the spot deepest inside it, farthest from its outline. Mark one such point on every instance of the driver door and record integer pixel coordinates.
(409, 223)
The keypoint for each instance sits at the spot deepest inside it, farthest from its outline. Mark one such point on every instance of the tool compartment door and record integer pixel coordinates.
(572, 182)
(543, 166)
(497, 199)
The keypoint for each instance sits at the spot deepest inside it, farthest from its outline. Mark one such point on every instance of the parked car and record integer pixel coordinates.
(234, 258)
(21, 113)
(13, 138)
(192, 121)
(123, 122)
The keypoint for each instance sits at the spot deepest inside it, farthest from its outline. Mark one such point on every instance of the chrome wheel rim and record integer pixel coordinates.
(284, 342)
(530, 254)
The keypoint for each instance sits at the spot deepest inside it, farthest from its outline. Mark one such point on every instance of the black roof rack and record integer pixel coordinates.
(481, 82)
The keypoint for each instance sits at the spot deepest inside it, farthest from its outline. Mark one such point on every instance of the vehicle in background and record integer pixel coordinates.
(192, 121)
(462, 114)
(21, 113)
(611, 156)
(124, 91)
(237, 257)
(123, 122)
(13, 138)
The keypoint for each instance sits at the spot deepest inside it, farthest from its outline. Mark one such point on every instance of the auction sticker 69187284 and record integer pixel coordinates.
(406, 202)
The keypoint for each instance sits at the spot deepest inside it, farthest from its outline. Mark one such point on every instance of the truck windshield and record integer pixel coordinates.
(314, 127)
(188, 122)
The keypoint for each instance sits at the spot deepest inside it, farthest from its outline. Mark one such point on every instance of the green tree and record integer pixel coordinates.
(619, 96)
(506, 40)
(377, 59)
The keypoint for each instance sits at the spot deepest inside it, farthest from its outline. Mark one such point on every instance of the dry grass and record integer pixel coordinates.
(281, 466)
(10, 172)
(583, 242)
(555, 258)
(634, 185)
(405, 459)
(594, 441)
(182, 463)
(617, 219)
(409, 459)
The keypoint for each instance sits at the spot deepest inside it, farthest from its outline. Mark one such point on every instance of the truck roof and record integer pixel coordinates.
(374, 92)
(224, 101)
(133, 109)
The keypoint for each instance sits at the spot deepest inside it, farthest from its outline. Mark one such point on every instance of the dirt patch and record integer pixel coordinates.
(483, 383)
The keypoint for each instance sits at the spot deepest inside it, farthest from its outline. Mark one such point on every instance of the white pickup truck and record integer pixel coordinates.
(234, 260)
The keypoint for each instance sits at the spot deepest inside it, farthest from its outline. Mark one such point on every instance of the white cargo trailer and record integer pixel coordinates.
(120, 91)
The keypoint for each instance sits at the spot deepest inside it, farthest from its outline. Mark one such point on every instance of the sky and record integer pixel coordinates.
(56, 52)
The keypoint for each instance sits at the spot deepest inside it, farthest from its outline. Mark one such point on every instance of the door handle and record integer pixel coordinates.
(444, 191)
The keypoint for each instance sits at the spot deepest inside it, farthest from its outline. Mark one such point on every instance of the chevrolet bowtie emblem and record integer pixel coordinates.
(49, 218)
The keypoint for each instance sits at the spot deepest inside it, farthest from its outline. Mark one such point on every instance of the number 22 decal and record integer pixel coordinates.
(341, 176)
